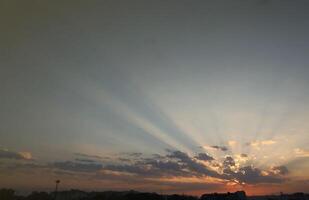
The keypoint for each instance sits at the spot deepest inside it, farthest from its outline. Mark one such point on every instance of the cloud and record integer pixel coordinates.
(129, 156)
(169, 167)
(204, 157)
(124, 159)
(179, 155)
(252, 175)
(281, 170)
(6, 154)
(259, 143)
(174, 163)
(194, 166)
(222, 148)
(85, 160)
(268, 142)
(134, 154)
(232, 143)
(216, 147)
(179, 164)
(243, 155)
(241, 158)
(152, 167)
(26, 166)
(249, 174)
(133, 169)
(229, 161)
(26, 155)
(76, 166)
(301, 152)
(88, 156)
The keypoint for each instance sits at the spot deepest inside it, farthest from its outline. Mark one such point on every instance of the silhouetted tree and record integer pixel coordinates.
(7, 194)
(39, 196)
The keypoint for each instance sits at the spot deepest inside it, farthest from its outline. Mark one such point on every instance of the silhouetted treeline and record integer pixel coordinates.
(9, 194)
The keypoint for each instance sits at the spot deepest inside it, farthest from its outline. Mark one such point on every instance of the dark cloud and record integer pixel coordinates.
(150, 167)
(179, 155)
(157, 156)
(6, 154)
(76, 166)
(165, 166)
(168, 167)
(129, 156)
(197, 168)
(252, 175)
(174, 163)
(124, 159)
(85, 160)
(222, 148)
(135, 154)
(10, 155)
(178, 163)
(243, 155)
(229, 161)
(204, 157)
(88, 156)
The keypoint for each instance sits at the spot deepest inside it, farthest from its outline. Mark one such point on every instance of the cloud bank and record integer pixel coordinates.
(6, 154)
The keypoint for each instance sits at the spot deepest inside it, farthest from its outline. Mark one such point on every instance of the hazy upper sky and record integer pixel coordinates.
(164, 96)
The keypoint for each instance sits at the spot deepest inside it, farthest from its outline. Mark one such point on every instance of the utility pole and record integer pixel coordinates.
(56, 189)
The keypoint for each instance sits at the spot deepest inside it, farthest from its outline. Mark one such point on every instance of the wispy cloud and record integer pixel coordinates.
(88, 156)
(232, 143)
(85, 160)
(259, 143)
(243, 155)
(301, 152)
(281, 170)
(76, 166)
(6, 154)
(215, 147)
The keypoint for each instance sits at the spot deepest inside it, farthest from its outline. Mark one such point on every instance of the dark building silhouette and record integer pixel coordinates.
(295, 196)
(239, 195)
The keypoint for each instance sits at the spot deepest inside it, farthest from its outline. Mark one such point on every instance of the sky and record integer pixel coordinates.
(163, 96)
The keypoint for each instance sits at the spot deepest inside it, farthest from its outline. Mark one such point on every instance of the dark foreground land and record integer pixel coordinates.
(9, 194)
